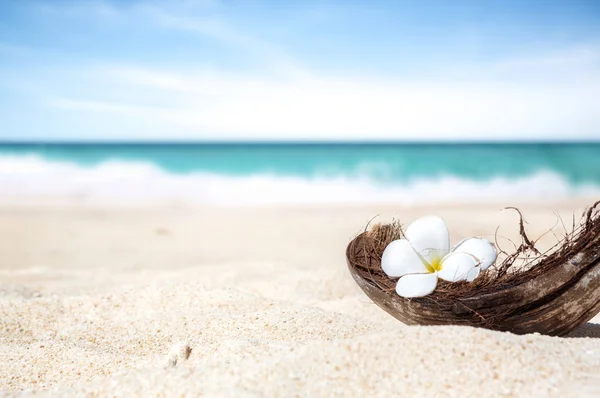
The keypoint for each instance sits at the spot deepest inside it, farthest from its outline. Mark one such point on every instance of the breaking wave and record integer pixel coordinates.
(31, 175)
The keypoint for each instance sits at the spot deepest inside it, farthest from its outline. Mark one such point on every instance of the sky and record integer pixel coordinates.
(299, 70)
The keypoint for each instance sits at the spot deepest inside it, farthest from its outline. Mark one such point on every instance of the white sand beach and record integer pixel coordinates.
(94, 296)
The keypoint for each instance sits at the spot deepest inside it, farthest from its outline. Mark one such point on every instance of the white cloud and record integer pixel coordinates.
(550, 95)
(217, 105)
(97, 106)
(211, 25)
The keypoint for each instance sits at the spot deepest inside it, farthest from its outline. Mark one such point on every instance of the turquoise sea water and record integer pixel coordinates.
(386, 171)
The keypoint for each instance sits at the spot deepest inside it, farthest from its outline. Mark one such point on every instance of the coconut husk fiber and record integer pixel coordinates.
(550, 293)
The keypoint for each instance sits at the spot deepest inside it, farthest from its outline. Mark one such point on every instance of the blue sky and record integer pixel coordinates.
(227, 70)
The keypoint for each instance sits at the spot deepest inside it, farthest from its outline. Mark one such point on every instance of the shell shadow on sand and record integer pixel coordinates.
(555, 294)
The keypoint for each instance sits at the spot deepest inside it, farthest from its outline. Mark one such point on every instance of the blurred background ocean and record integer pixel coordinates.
(502, 96)
(262, 173)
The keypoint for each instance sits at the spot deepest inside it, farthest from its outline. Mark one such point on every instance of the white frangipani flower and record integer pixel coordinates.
(424, 256)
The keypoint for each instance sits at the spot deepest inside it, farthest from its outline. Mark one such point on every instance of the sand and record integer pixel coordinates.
(101, 300)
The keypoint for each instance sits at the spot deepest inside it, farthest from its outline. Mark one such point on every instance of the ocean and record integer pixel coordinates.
(258, 173)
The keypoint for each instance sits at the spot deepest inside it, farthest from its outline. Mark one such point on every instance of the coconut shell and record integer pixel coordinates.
(558, 293)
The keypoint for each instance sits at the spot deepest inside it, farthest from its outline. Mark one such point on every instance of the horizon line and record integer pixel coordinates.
(292, 142)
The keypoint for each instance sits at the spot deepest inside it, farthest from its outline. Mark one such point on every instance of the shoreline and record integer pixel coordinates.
(52, 201)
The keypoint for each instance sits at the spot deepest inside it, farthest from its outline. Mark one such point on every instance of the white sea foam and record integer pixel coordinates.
(22, 176)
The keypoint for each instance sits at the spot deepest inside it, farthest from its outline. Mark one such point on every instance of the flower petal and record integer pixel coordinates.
(473, 273)
(456, 266)
(481, 248)
(429, 237)
(399, 259)
(416, 285)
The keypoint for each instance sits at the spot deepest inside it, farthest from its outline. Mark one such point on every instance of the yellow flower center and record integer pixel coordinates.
(434, 265)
